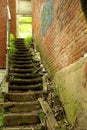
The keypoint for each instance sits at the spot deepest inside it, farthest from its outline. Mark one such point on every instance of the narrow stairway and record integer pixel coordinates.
(25, 87)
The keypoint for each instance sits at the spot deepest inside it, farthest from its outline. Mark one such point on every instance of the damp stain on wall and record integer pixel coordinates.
(47, 14)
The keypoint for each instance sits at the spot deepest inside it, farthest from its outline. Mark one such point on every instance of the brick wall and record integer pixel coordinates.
(2, 33)
(12, 5)
(60, 32)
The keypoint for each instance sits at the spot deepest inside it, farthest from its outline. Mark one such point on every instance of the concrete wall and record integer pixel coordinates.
(2, 33)
(71, 84)
(60, 34)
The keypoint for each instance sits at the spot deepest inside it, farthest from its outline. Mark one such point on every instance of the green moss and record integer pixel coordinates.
(25, 19)
(12, 46)
(28, 41)
(42, 116)
(1, 119)
(25, 26)
(68, 99)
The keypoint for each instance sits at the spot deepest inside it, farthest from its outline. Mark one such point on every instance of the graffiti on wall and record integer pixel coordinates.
(47, 14)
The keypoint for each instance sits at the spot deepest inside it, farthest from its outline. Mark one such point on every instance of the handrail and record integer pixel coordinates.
(9, 14)
(8, 25)
(8, 41)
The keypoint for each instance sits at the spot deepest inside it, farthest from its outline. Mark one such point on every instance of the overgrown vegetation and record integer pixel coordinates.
(28, 41)
(12, 49)
(25, 26)
(1, 118)
(25, 19)
(12, 46)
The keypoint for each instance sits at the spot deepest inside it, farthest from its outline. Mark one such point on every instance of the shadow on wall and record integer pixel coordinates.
(84, 7)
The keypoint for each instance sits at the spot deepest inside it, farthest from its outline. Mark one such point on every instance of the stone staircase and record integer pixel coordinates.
(25, 87)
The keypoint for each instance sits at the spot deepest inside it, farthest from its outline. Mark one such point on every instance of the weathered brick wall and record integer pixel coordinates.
(2, 33)
(12, 5)
(60, 31)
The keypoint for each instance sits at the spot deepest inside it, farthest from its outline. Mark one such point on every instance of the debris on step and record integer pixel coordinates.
(21, 106)
(51, 121)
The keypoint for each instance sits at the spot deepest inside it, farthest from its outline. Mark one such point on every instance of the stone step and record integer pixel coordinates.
(21, 62)
(20, 107)
(22, 58)
(19, 39)
(26, 81)
(30, 127)
(24, 49)
(26, 87)
(22, 52)
(23, 71)
(20, 119)
(22, 55)
(20, 46)
(23, 97)
(21, 43)
(25, 76)
(23, 66)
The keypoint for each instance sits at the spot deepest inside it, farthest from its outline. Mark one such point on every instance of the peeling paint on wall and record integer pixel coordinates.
(47, 14)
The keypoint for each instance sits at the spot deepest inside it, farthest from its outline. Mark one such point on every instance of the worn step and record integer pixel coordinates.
(22, 55)
(22, 59)
(30, 127)
(26, 62)
(20, 119)
(23, 71)
(20, 46)
(26, 81)
(19, 42)
(23, 97)
(20, 107)
(26, 87)
(24, 50)
(23, 66)
(19, 39)
(21, 62)
(25, 76)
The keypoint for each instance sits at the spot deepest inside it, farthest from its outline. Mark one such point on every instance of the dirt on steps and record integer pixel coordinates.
(22, 97)
(21, 119)
(21, 105)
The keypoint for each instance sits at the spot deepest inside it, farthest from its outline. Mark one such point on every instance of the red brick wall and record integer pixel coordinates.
(2, 33)
(12, 5)
(63, 40)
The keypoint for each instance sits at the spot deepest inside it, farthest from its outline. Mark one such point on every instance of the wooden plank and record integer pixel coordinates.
(51, 121)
